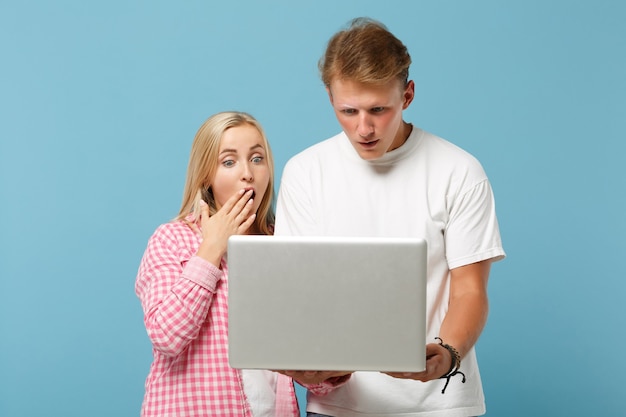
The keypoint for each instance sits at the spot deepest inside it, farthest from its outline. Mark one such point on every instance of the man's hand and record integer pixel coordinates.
(315, 377)
(438, 361)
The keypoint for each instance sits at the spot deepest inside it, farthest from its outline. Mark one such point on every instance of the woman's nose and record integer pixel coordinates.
(247, 173)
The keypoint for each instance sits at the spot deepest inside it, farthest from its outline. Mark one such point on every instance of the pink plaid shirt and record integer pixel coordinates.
(184, 299)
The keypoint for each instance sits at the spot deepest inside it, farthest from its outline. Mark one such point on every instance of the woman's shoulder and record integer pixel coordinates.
(174, 231)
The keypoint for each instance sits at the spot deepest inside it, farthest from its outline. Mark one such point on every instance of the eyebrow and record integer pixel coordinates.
(258, 145)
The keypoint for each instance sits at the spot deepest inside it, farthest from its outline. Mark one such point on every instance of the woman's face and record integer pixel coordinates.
(242, 164)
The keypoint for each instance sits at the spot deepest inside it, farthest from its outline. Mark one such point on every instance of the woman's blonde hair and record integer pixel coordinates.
(203, 163)
(365, 52)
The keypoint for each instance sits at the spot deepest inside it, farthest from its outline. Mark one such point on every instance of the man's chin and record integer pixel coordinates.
(370, 155)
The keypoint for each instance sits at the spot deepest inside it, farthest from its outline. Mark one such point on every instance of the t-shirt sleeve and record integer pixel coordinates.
(294, 210)
(472, 233)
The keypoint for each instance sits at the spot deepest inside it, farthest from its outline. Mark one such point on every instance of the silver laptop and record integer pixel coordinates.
(327, 303)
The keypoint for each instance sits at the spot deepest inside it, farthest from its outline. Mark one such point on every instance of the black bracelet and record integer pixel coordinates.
(455, 364)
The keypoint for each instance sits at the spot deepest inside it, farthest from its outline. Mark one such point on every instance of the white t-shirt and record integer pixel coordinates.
(260, 389)
(426, 188)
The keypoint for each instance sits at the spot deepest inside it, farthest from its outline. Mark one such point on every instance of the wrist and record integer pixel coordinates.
(455, 358)
(455, 364)
(210, 253)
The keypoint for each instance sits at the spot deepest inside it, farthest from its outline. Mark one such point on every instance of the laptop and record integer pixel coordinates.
(327, 303)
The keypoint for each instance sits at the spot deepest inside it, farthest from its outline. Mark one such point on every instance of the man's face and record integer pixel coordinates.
(371, 115)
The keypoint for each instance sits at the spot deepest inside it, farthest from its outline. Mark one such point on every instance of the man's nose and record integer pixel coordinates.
(365, 127)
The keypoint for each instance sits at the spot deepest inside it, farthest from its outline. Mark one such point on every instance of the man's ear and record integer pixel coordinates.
(409, 94)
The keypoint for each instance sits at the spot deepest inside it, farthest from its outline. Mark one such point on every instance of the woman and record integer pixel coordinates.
(183, 280)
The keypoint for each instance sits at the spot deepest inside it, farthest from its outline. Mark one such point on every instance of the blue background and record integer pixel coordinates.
(99, 103)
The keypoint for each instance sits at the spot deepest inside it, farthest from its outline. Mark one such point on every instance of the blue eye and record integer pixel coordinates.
(257, 159)
(228, 163)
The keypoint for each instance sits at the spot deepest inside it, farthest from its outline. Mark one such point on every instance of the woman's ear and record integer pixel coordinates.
(207, 195)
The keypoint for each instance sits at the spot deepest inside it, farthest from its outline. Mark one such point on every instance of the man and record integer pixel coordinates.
(382, 176)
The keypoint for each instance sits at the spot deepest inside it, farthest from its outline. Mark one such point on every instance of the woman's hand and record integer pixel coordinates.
(233, 218)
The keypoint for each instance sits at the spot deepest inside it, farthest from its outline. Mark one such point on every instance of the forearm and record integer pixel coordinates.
(468, 307)
(175, 314)
(465, 321)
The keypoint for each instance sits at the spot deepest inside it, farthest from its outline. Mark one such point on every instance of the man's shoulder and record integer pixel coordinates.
(446, 150)
(323, 149)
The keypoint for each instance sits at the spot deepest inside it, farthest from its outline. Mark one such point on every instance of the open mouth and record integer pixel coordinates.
(369, 144)
(253, 192)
